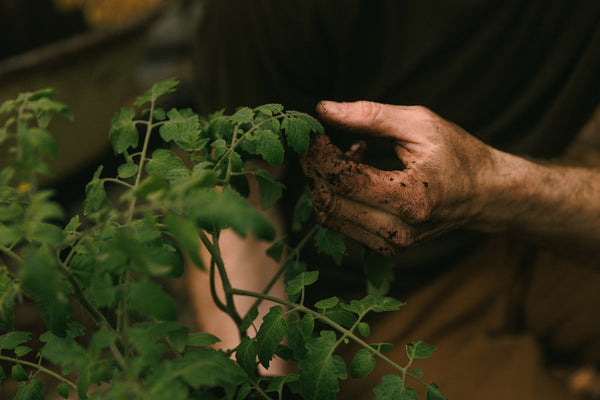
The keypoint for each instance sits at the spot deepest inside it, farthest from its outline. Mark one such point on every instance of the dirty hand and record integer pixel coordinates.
(438, 186)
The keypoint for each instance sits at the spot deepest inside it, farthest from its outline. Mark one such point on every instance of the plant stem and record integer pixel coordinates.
(41, 369)
(11, 253)
(295, 251)
(213, 249)
(333, 324)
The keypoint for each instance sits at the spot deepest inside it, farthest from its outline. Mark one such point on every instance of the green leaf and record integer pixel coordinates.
(245, 355)
(297, 133)
(364, 329)
(270, 109)
(183, 127)
(21, 351)
(44, 107)
(101, 340)
(390, 388)
(184, 232)
(362, 364)
(127, 170)
(313, 124)
(18, 373)
(327, 303)
(418, 372)
(198, 367)
(270, 334)
(419, 350)
(275, 251)
(242, 115)
(433, 393)
(330, 242)
(321, 369)
(243, 391)
(95, 193)
(150, 299)
(63, 390)
(65, 352)
(215, 211)
(300, 330)
(157, 90)
(270, 189)
(302, 210)
(372, 303)
(123, 132)
(202, 339)
(276, 383)
(12, 340)
(269, 146)
(249, 319)
(303, 279)
(8, 293)
(380, 274)
(167, 165)
(33, 391)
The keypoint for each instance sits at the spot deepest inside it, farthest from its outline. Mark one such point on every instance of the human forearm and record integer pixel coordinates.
(550, 203)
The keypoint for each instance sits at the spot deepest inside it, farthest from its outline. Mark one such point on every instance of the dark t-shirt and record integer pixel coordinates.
(523, 76)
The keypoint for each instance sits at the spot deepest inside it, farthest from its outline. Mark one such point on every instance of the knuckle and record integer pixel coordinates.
(323, 200)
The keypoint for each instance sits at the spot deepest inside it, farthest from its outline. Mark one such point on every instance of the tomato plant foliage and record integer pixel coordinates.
(112, 260)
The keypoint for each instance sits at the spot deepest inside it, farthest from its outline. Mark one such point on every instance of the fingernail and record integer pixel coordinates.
(333, 107)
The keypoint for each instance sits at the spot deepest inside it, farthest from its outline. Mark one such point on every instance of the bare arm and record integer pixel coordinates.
(451, 180)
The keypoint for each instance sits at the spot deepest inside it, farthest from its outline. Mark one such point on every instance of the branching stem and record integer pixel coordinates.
(41, 369)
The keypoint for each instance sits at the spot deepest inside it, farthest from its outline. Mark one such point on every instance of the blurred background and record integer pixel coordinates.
(98, 55)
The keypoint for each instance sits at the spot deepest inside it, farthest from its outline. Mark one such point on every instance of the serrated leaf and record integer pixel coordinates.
(419, 350)
(157, 90)
(297, 133)
(167, 165)
(270, 109)
(390, 388)
(330, 242)
(18, 373)
(150, 299)
(183, 127)
(12, 340)
(303, 279)
(375, 304)
(63, 390)
(95, 193)
(433, 393)
(127, 170)
(270, 190)
(245, 355)
(268, 145)
(270, 334)
(184, 232)
(44, 107)
(202, 339)
(32, 391)
(362, 364)
(321, 369)
(313, 124)
(327, 303)
(242, 115)
(123, 132)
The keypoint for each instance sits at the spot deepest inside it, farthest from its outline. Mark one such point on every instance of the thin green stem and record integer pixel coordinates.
(11, 253)
(41, 369)
(257, 387)
(295, 251)
(213, 289)
(213, 249)
(120, 182)
(348, 333)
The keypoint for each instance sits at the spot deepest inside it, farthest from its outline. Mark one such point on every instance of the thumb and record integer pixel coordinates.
(376, 119)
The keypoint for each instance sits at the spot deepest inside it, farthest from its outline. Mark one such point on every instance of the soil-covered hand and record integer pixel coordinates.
(436, 187)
